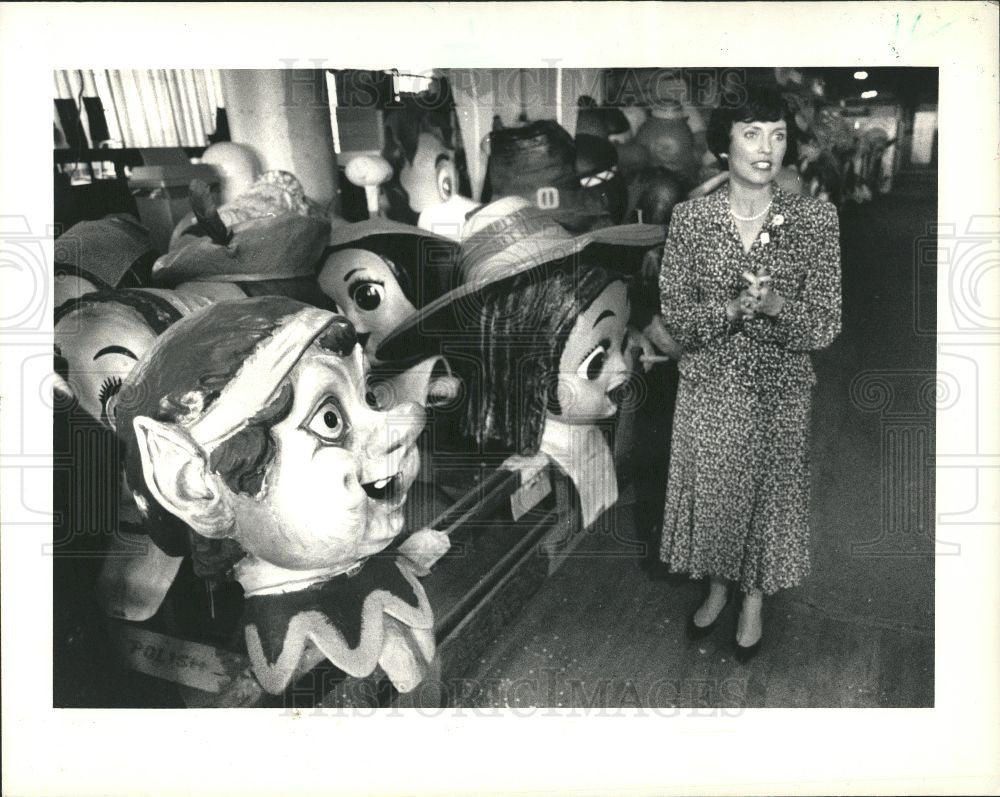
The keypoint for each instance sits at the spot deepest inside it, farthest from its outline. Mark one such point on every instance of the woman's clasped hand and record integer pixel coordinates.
(757, 299)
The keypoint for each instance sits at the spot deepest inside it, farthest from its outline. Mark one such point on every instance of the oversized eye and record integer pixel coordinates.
(109, 388)
(590, 369)
(328, 422)
(367, 295)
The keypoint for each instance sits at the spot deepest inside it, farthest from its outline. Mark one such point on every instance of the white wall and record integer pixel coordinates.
(286, 123)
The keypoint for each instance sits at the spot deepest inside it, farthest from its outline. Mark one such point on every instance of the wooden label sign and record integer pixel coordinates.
(530, 494)
(187, 663)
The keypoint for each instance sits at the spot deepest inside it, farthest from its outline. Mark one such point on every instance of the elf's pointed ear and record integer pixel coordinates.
(176, 472)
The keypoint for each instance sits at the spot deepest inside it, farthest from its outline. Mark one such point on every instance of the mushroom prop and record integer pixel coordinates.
(369, 172)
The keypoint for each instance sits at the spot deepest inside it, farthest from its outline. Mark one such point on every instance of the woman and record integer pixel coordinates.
(750, 284)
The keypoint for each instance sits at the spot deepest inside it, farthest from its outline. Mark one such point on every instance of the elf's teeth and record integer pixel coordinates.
(378, 485)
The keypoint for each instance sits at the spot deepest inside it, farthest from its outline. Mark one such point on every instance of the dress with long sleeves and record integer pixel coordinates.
(737, 504)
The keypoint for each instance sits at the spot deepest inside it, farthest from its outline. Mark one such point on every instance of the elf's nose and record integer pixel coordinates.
(391, 434)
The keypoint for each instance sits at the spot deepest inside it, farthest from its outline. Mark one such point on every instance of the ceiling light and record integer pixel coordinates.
(861, 75)
(869, 95)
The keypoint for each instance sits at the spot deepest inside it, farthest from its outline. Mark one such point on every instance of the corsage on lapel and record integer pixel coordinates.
(777, 220)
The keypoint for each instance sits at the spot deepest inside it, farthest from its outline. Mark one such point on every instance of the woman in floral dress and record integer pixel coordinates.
(750, 284)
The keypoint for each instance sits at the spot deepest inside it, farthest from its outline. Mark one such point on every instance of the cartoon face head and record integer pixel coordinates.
(279, 449)
(366, 289)
(100, 337)
(559, 340)
(431, 177)
(592, 363)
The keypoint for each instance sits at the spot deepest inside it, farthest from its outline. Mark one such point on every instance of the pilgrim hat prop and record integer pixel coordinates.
(424, 262)
(539, 163)
(504, 240)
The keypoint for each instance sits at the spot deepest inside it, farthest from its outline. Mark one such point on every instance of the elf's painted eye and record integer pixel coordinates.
(367, 295)
(590, 369)
(328, 422)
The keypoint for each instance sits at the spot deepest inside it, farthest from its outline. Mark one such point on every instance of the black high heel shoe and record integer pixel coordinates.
(746, 654)
(696, 632)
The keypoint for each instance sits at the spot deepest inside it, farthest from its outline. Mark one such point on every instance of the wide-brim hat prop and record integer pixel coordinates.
(117, 249)
(504, 240)
(425, 262)
(269, 232)
(261, 249)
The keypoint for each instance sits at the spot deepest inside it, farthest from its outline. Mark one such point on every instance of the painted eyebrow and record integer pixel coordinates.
(347, 276)
(115, 350)
(602, 316)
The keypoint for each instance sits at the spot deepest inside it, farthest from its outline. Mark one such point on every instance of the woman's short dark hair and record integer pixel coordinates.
(755, 105)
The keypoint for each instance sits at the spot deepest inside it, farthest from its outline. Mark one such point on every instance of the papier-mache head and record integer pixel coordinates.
(249, 421)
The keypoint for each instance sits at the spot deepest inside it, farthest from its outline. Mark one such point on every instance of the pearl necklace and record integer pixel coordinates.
(751, 218)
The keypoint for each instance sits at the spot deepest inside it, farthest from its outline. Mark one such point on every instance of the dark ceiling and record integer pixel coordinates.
(911, 86)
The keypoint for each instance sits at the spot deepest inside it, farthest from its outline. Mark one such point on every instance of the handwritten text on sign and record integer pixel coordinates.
(188, 663)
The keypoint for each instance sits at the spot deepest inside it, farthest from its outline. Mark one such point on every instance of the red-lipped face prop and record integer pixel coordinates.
(329, 491)
(593, 364)
(365, 289)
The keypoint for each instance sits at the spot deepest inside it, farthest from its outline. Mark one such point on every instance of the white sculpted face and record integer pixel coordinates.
(334, 493)
(593, 363)
(367, 292)
(101, 344)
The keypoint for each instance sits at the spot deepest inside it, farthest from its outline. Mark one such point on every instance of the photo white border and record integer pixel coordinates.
(949, 749)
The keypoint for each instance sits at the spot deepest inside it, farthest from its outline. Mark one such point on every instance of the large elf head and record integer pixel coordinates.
(249, 421)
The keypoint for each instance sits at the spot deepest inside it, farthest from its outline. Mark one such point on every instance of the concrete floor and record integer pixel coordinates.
(607, 630)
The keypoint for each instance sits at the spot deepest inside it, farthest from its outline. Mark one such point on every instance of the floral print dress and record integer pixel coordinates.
(737, 504)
